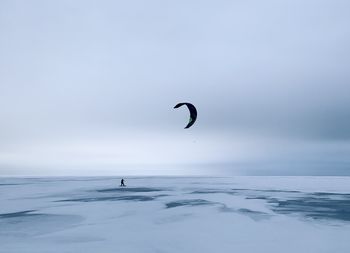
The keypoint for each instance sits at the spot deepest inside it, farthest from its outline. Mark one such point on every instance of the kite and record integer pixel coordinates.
(193, 113)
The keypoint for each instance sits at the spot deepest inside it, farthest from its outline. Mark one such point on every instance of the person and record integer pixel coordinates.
(122, 182)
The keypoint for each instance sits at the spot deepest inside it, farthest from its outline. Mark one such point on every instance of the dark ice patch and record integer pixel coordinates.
(331, 194)
(317, 205)
(110, 198)
(249, 211)
(314, 207)
(255, 215)
(210, 191)
(30, 223)
(258, 190)
(18, 214)
(128, 189)
(258, 197)
(188, 202)
(283, 191)
(236, 191)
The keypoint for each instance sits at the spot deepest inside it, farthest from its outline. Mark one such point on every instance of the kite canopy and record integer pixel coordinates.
(193, 113)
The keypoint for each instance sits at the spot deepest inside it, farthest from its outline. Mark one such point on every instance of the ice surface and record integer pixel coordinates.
(175, 214)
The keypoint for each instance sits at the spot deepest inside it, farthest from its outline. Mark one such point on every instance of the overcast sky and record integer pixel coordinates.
(88, 87)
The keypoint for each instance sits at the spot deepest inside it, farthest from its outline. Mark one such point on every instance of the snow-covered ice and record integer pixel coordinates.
(175, 214)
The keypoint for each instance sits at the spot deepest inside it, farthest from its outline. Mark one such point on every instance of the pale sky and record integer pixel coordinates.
(88, 87)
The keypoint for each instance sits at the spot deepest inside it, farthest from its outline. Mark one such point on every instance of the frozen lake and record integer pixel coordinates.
(175, 214)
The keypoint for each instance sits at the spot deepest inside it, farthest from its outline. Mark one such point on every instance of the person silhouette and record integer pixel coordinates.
(122, 182)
